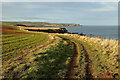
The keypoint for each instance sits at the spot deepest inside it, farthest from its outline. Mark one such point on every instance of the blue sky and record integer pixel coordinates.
(87, 13)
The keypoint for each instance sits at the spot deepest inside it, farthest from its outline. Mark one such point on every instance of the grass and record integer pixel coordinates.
(41, 28)
(51, 63)
(102, 53)
(38, 55)
(15, 46)
(20, 50)
(81, 71)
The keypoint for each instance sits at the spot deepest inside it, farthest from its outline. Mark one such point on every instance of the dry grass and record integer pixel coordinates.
(42, 28)
(104, 44)
(103, 53)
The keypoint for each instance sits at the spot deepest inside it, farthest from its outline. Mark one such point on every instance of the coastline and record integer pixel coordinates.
(104, 32)
(101, 52)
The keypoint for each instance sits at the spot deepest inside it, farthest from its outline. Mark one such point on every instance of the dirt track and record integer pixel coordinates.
(73, 65)
(88, 65)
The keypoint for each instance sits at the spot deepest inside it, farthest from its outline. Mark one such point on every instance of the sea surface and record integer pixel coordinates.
(109, 32)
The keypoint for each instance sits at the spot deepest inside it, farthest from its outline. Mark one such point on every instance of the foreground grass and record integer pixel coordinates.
(52, 63)
(81, 63)
(48, 63)
(102, 53)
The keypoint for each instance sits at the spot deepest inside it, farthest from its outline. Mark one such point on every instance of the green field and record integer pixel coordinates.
(32, 55)
(20, 50)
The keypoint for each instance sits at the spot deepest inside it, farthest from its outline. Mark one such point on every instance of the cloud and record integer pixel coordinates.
(106, 7)
(79, 12)
(43, 19)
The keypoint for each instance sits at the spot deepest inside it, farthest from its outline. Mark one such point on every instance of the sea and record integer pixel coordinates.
(104, 32)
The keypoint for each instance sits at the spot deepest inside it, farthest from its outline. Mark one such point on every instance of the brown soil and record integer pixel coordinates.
(11, 30)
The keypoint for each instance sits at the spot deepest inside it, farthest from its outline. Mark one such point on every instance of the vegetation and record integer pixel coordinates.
(15, 47)
(52, 63)
(49, 30)
(20, 50)
(103, 55)
(33, 55)
(81, 64)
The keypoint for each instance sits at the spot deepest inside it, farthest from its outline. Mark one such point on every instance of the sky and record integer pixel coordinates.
(60, 0)
(85, 13)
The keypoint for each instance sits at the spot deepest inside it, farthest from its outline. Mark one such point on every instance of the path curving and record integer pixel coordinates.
(73, 64)
(88, 65)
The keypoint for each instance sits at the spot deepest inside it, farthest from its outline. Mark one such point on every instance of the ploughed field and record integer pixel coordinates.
(35, 55)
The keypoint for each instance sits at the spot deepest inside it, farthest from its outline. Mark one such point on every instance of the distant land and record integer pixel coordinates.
(42, 24)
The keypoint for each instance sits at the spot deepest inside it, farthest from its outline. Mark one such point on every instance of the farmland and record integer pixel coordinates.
(34, 55)
(16, 45)
(20, 49)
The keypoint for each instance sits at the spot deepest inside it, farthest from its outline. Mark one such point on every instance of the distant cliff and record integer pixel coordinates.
(42, 24)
